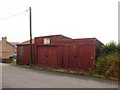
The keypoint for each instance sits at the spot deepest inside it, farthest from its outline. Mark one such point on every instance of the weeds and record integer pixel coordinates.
(109, 61)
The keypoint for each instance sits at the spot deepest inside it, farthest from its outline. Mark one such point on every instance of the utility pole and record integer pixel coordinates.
(31, 62)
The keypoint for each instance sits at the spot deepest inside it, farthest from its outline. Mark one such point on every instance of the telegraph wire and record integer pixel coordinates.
(13, 15)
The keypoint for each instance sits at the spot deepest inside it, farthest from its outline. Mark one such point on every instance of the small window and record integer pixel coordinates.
(21, 50)
(46, 41)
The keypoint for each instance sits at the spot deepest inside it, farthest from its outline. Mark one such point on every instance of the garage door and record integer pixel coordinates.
(47, 56)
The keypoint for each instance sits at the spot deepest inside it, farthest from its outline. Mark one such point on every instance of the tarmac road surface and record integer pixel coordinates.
(14, 76)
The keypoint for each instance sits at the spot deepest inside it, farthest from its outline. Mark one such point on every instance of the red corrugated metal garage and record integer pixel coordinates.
(58, 51)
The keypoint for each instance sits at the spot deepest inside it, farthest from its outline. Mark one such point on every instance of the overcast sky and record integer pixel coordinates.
(72, 18)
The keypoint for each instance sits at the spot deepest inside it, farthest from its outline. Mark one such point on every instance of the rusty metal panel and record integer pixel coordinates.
(71, 57)
(74, 57)
(23, 54)
(65, 57)
(54, 39)
(78, 57)
(47, 55)
(89, 41)
(87, 57)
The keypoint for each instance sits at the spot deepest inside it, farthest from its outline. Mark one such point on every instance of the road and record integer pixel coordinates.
(14, 76)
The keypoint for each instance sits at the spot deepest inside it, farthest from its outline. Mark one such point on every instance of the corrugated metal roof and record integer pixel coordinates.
(59, 36)
(28, 42)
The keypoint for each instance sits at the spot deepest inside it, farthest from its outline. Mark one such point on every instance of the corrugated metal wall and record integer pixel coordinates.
(47, 56)
(78, 57)
(65, 53)
(23, 54)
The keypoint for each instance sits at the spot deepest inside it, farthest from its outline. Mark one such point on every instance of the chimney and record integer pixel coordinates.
(4, 39)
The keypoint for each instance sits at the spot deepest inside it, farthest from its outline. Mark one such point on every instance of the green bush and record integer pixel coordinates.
(108, 65)
(109, 48)
(109, 60)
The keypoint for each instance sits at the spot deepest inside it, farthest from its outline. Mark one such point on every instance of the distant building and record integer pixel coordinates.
(7, 48)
